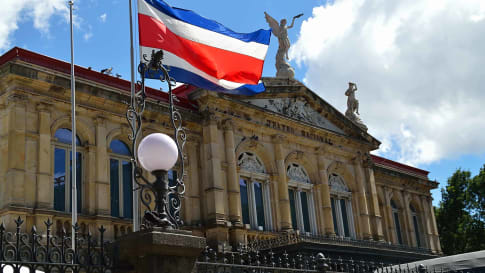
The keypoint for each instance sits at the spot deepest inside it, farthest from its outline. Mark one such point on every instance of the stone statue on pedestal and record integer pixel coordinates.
(283, 68)
(353, 106)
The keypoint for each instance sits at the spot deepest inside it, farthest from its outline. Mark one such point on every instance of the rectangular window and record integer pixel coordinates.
(243, 188)
(334, 216)
(345, 218)
(294, 223)
(258, 196)
(127, 190)
(416, 230)
(398, 227)
(60, 179)
(305, 212)
(114, 187)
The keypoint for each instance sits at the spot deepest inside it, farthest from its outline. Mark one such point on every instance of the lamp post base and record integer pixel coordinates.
(156, 250)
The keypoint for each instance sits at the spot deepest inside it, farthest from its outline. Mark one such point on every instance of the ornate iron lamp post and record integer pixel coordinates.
(157, 153)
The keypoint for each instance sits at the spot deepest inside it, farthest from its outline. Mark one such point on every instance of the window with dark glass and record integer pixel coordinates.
(305, 210)
(395, 215)
(416, 225)
(334, 216)
(121, 186)
(345, 219)
(63, 171)
(258, 194)
(243, 188)
(291, 194)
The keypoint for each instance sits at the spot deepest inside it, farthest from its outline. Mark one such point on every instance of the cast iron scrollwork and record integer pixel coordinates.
(165, 213)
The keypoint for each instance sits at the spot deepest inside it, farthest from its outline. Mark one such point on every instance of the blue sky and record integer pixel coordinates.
(333, 42)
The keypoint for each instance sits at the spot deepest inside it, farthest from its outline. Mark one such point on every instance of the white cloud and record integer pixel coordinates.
(418, 65)
(39, 11)
(87, 36)
(102, 17)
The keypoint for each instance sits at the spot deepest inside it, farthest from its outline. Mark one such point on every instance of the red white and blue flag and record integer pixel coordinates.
(202, 52)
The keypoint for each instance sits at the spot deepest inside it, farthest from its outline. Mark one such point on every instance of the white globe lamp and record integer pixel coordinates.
(157, 152)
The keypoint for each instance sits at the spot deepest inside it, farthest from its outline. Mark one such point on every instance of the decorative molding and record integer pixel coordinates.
(297, 173)
(278, 139)
(337, 184)
(296, 108)
(227, 125)
(251, 163)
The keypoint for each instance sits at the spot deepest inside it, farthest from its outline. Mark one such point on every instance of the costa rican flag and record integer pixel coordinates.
(202, 52)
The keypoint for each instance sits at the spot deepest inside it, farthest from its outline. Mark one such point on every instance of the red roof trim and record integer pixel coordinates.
(81, 72)
(397, 165)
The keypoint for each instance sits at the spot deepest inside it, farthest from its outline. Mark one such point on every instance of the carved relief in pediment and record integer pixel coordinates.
(296, 108)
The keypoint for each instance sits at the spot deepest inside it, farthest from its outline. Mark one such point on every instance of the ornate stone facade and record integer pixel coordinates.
(281, 154)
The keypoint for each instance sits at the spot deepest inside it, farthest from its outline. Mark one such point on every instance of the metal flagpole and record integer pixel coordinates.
(136, 218)
(73, 141)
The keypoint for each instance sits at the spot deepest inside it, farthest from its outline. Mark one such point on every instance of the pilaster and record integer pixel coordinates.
(375, 212)
(101, 196)
(213, 186)
(15, 175)
(45, 186)
(327, 225)
(428, 224)
(192, 201)
(283, 198)
(364, 211)
(234, 197)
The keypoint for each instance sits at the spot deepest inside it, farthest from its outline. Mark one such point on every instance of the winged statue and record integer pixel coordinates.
(284, 70)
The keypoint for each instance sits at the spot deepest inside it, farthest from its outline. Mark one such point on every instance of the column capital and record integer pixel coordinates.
(17, 98)
(209, 117)
(322, 149)
(228, 124)
(100, 120)
(367, 161)
(44, 107)
(278, 139)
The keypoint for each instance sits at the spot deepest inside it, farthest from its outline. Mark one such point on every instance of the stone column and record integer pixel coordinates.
(214, 187)
(434, 227)
(192, 201)
(284, 199)
(232, 176)
(15, 176)
(375, 212)
(325, 196)
(102, 187)
(428, 224)
(408, 221)
(364, 212)
(45, 197)
(388, 210)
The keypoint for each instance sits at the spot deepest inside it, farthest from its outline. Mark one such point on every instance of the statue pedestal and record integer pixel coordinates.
(158, 251)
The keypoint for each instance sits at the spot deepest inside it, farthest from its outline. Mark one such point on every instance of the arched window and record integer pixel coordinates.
(63, 170)
(341, 202)
(395, 216)
(300, 191)
(121, 186)
(255, 193)
(415, 217)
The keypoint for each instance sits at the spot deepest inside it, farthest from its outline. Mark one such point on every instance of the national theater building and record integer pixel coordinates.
(282, 169)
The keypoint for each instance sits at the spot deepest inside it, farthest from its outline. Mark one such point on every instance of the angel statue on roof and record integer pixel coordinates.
(283, 69)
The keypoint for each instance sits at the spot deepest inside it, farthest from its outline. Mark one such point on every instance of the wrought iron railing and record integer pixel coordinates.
(36, 251)
(294, 238)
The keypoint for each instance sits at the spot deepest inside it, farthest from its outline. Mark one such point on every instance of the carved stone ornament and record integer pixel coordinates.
(337, 184)
(297, 173)
(249, 162)
(352, 111)
(296, 108)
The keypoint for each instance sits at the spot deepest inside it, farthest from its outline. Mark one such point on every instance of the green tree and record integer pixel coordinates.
(460, 215)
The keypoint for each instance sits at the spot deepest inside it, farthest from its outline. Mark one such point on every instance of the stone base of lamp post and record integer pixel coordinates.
(159, 251)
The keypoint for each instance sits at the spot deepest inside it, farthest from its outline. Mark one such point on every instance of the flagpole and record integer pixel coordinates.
(73, 140)
(136, 220)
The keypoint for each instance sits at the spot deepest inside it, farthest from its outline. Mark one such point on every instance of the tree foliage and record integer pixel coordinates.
(461, 213)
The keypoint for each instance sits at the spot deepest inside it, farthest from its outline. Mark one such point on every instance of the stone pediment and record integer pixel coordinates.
(294, 100)
(296, 108)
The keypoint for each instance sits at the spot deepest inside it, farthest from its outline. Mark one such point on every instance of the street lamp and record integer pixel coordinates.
(157, 153)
